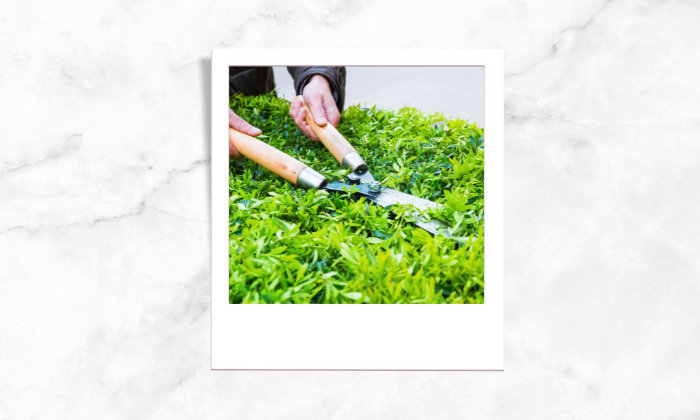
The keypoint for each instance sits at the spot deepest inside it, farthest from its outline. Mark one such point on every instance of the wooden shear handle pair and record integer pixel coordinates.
(284, 165)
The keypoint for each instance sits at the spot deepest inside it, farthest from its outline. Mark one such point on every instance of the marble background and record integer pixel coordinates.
(104, 209)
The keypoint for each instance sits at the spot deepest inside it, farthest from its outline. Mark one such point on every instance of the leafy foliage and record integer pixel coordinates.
(288, 245)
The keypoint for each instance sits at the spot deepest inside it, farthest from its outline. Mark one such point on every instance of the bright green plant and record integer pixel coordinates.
(288, 245)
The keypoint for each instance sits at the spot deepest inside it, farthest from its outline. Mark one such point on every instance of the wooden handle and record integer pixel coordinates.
(265, 155)
(329, 136)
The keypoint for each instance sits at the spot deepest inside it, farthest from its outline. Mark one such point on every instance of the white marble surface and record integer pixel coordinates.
(104, 212)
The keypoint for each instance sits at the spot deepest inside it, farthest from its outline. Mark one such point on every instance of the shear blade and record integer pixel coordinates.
(388, 197)
(366, 177)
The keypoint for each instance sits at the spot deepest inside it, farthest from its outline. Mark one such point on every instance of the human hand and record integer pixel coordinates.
(318, 96)
(237, 123)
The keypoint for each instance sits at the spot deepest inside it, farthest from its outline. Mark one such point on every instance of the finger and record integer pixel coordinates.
(310, 133)
(332, 112)
(300, 120)
(298, 114)
(246, 128)
(238, 123)
(300, 117)
(307, 128)
(233, 153)
(294, 109)
(317, 110)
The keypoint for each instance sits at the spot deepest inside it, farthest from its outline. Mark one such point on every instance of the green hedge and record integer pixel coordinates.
(288, 245)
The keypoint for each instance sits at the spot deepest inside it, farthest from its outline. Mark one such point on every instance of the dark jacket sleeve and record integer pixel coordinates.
(250, 81)
(334, 75)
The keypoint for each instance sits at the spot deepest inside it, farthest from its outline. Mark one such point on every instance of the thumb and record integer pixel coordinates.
(238, 123)
(318, 112)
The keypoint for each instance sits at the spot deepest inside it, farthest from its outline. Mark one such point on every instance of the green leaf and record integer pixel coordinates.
(380, 234)
(282, 224)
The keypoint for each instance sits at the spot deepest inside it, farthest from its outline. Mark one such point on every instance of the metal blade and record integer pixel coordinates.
(360, 178)
(435, 227)
(387, 197)
(366, 177)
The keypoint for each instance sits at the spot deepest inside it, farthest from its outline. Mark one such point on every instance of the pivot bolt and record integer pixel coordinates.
(375, 186)
(353, 179)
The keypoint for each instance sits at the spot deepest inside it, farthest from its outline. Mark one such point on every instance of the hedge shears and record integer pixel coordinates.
(360, 180)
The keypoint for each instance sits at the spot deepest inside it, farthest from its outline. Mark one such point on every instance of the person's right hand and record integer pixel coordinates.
(237, 123)
(318, 96)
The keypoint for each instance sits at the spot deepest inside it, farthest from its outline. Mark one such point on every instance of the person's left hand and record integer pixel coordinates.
(318, 96)
(238, 123)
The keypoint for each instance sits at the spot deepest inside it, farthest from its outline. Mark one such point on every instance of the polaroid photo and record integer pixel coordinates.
(349, 227)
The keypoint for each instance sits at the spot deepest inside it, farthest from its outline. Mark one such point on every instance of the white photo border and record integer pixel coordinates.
(359, 337)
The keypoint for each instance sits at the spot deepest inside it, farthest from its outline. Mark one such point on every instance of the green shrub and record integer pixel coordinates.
(288, 245)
